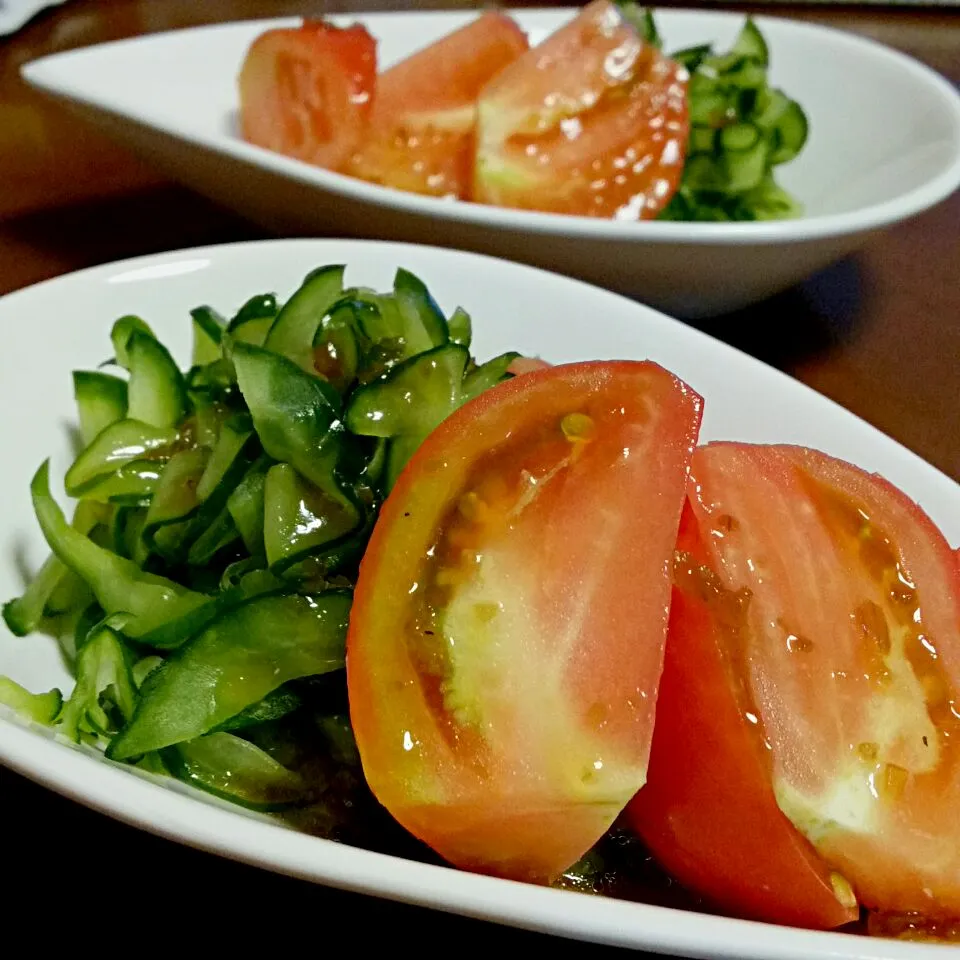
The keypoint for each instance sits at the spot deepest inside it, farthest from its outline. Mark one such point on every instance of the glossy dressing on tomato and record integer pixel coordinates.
(852, 661)
(507, 634)
(592, 121)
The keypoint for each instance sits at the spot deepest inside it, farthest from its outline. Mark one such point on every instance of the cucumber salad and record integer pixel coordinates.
(202, 588)
(741, 129)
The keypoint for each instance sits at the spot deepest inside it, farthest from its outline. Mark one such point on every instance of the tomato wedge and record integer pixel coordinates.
(708, 811)
(422, 125)
(506, 638)
(592, 121)
(848, 651)
(306, 92)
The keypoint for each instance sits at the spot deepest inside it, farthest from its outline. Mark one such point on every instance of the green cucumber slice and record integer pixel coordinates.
(116, 445)
(156, 393)
(38, 707)
(301, 520)
(208, 328)
(101, 401)
(789, 134)
(119, 585)
(291, 334)
(750, 43)
(236, 770)
(247, 652)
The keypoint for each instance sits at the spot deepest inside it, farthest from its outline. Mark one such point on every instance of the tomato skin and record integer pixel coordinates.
(708, 813)
(592, 122)
(851, 654)
(531, 748)
(422, 125)
(307, 91)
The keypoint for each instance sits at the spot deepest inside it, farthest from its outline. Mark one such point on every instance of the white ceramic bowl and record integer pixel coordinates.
(884, 145)
(69, 323)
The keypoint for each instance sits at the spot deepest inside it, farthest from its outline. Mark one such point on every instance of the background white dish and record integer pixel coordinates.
(884, 144)
(64, 324)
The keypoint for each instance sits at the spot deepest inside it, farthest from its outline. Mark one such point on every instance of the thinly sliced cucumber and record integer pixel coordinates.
(235, 769)
(750, 43)
(230, 457)
(118, 584)
(118, 444)
(710, 109)
(291, 334)
(123, 330)
(103, 672)
(126, 534)
(769, 107)
(487, 375)
(216, 535)
(38, 707)
(131, 484)
(246, 506)
(296, 416)
(254, 320)
(157, 392)
(209, 415)
(692, 57)
(42, 597)
(460, 328)
(704, 172)
(747, 168)
(143, 668)
(702, 140)
(101, 401)
(300, 519)
(276, 704)
(790, 134)
(336, 349)
(424, 323)
(174, 502)
(208, 328)
(411, 398)
(739, 137)
(247, 652)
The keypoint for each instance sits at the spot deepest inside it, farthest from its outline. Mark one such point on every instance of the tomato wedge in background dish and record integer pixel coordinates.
(422, 125)
(846, 653)
(592, 121)
(307, 91)
(507, 631)
(708, 812)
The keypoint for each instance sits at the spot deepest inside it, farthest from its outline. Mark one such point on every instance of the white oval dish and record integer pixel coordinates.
(63, 324)
(884, 145)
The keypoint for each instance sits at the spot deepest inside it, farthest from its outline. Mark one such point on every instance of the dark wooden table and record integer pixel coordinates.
(879, 333)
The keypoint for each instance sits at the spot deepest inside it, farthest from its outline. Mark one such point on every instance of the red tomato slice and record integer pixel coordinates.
(849, 652)
(708, 811)
(306, 92)
(507, 631)
(592, 121)
(422, 126)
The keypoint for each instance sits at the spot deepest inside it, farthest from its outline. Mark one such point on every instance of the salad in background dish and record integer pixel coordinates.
(506, 615)
(596, 120)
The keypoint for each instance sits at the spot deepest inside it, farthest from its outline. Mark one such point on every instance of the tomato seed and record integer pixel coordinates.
(894, 781)
(578, 427)
(842, 890)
